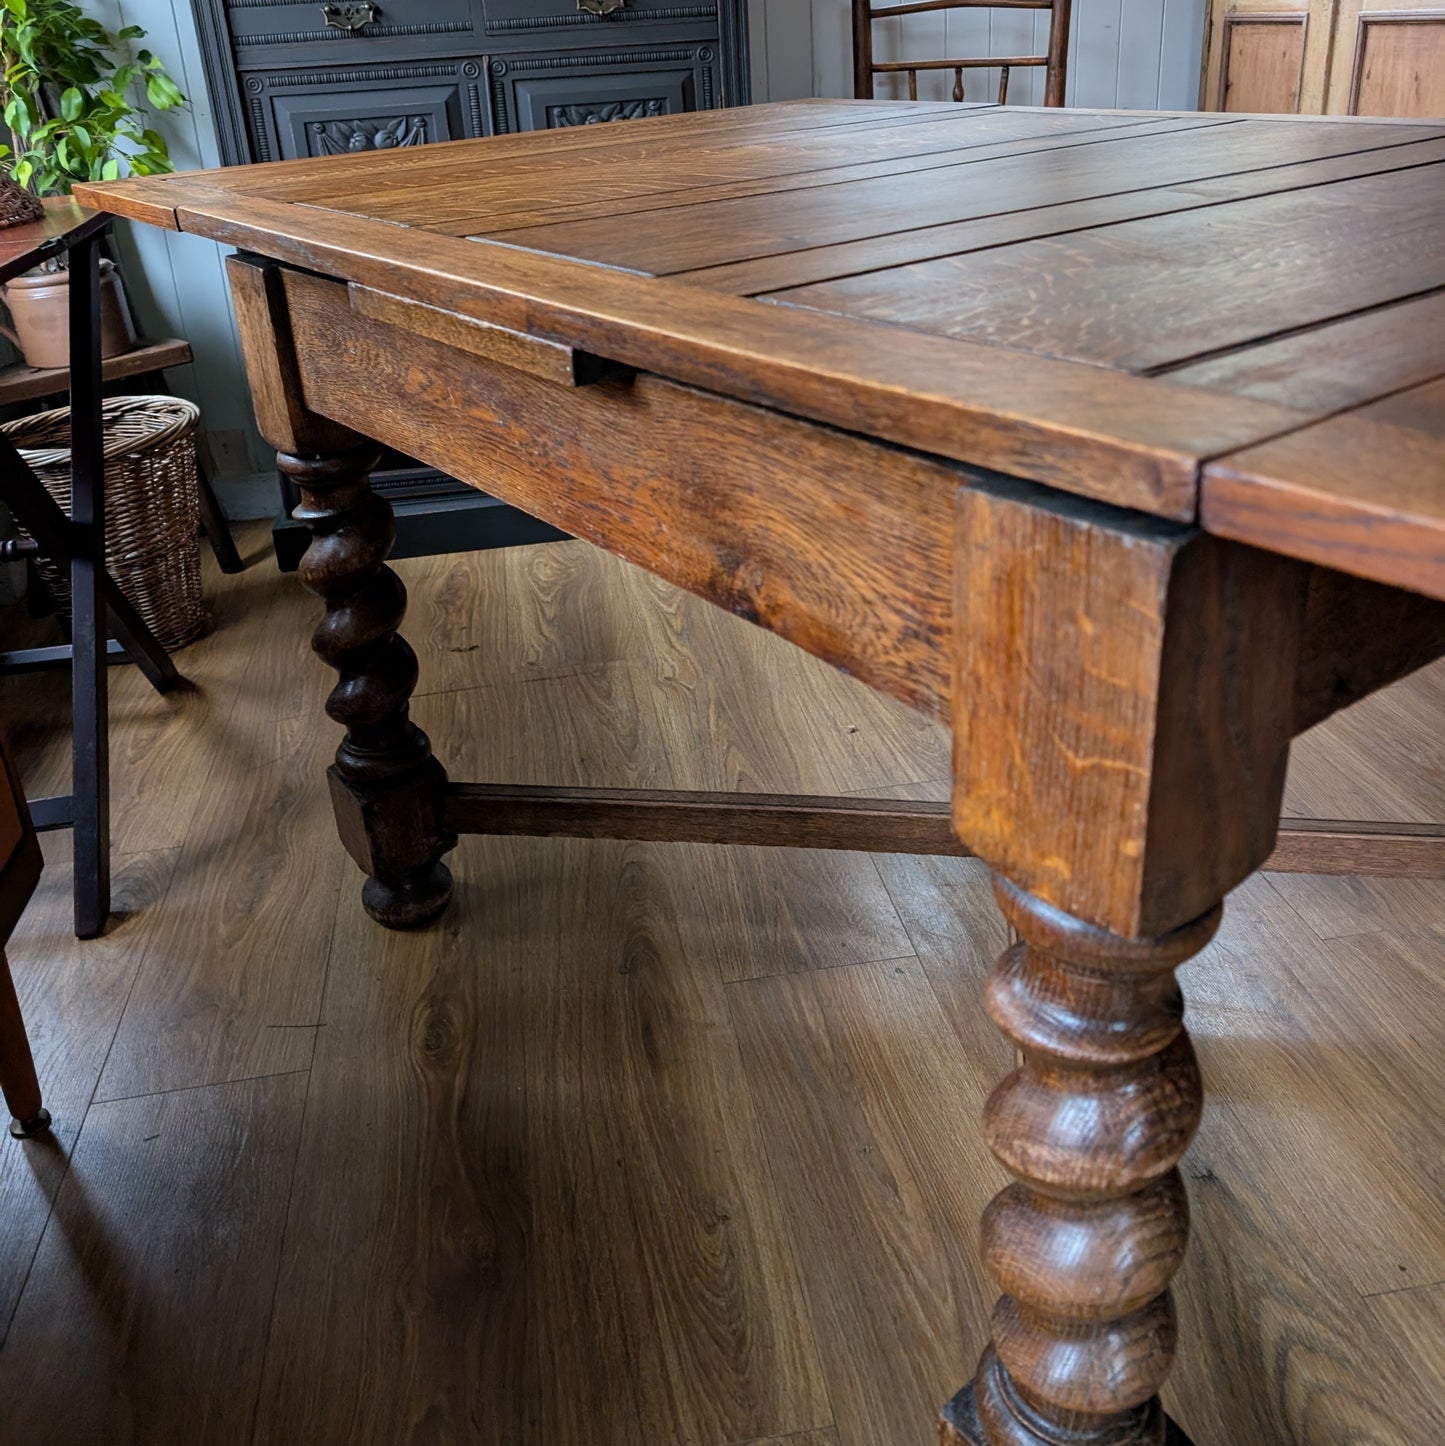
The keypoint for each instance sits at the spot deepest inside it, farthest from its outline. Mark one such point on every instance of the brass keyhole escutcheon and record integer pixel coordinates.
(600, 7)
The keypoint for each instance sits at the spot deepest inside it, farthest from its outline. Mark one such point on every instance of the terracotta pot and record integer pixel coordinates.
(39, 305)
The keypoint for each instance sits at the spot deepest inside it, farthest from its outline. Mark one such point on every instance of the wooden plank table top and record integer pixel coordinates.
(1051, 293)
(65, 224)
(1113, 438)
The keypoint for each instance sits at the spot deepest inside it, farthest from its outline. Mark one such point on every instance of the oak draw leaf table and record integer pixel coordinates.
(1117, 440)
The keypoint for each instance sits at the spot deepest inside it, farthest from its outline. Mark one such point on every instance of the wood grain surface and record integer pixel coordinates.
(1301, 493)
(422, 1170)
(97, 1292)
(1022, 175)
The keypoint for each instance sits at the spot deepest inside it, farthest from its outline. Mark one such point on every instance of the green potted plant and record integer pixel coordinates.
(76, 108)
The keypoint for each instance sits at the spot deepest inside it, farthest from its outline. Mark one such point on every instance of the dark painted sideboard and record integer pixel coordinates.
(289, 79)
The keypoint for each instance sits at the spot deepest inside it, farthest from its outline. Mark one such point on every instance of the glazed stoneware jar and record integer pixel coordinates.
(39, 304)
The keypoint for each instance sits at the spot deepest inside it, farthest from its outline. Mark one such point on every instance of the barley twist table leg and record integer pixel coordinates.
(1085, 1241)
(386, 786)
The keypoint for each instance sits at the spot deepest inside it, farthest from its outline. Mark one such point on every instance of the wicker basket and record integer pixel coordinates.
(152, 520)
(17, 205)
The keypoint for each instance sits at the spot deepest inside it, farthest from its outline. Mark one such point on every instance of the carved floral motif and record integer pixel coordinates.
(385, 133)
(559, 116)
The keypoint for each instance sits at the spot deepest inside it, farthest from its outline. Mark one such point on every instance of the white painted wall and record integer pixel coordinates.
(1141, 54)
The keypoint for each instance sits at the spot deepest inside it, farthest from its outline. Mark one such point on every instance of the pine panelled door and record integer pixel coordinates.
(1326, 57)
(1115, 440)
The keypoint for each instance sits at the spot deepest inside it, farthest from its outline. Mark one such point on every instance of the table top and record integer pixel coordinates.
(1206, 317)
(65, 222)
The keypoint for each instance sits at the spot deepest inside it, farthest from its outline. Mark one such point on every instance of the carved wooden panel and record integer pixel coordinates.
(591, 113)
(542, 92)
(331, 111)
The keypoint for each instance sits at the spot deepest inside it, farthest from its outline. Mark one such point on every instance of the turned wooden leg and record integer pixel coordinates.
(386, 787)
(1093, 1124)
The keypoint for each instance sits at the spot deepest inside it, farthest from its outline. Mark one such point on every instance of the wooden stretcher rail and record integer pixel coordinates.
(873, 825)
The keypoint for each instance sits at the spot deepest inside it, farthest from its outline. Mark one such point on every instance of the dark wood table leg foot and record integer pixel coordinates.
(1084, 1243)
(386, 787)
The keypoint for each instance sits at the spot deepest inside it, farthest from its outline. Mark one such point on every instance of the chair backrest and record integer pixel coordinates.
(1054, 61)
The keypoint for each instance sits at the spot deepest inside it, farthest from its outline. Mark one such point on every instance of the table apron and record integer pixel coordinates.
(839, 543)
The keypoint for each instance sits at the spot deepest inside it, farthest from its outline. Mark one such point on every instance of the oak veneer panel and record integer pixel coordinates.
(548, 612)
(1417, 1316)
(1112, 296)
(1335, 366)
(947, 905)
(72, 999)
(684, 238)
(821, 263)
(157, 1271)
(1320, 493)
(632, 725)
(860, 1086)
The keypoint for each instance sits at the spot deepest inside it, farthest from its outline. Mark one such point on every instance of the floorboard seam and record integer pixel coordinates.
(210, 1084)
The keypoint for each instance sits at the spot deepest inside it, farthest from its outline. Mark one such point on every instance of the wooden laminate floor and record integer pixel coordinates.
(641, 1143)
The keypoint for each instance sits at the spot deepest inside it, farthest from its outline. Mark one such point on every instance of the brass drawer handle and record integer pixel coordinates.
(351, 15)
(600, 7)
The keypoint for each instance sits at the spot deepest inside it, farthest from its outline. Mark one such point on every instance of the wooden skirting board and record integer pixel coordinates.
(871, 825)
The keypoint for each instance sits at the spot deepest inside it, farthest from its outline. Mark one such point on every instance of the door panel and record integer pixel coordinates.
(547, 92)
(1262, 67)
(1267, 56)
(1389, 59)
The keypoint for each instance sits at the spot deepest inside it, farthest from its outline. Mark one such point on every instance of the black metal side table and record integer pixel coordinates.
(79, 541)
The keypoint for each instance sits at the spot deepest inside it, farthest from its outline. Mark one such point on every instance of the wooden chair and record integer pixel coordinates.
(1054, 61)
(20, 865)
